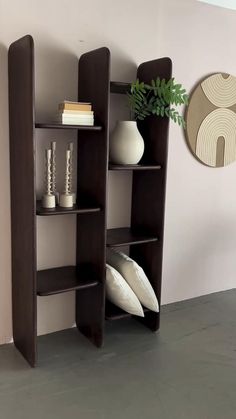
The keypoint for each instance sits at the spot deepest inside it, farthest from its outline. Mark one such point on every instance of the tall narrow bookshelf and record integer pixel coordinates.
(145, 236)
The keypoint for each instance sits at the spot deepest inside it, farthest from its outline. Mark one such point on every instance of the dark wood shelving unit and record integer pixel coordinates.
(64, 279)
(145, 235)
(27, 283)
(48, 125)
(125, 236)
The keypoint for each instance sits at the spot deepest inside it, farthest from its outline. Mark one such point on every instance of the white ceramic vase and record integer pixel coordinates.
(126, 143)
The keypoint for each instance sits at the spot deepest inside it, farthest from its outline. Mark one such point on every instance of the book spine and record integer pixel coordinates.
(78, 117)
(82, 120)
(74, 115)
(75, 103)
(76, 107)
(75, 112)
(89, 123)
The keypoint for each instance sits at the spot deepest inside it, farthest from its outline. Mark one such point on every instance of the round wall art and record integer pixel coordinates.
(211, 120)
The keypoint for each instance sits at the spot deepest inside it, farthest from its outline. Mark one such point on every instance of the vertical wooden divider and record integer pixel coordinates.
(23, 211)
(148, 193)
(94, 85)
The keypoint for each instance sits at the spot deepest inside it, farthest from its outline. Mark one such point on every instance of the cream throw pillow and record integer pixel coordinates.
(120, 293)
(135, 277)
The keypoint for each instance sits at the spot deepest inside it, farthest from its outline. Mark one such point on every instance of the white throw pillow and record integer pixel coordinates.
(135, 276)
(120, 293)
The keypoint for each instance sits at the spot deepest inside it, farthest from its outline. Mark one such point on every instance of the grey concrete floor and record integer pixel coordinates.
(186, 371)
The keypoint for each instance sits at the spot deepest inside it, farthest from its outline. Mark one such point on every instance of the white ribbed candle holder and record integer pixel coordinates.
(66, 200)
(48, 201)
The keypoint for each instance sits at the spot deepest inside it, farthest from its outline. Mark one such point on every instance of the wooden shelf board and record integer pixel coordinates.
(77, 209)
(115, 313)
(65, 279)
(134, 166)
(125, 236)
(119, 87)
(54, 125)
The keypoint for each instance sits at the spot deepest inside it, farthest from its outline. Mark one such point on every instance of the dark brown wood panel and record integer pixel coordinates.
(23, 211)
(148, 195)
(64, 279)
(94, 85)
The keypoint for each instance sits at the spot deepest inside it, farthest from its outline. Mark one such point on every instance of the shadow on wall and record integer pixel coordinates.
(56, 78)
(5, 241)
(57, 74)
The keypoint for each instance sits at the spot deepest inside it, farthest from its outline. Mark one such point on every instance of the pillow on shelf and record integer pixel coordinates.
(120, 293)
(135, 277)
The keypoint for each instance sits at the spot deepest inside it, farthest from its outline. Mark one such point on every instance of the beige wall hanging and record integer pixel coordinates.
(211, 120)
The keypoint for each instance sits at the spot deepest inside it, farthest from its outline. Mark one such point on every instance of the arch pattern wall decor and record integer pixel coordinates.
(211, 120)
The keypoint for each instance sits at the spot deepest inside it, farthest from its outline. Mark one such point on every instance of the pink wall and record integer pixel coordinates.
(200, 239)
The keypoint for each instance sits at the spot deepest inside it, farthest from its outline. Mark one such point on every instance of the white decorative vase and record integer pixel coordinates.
(126, 143)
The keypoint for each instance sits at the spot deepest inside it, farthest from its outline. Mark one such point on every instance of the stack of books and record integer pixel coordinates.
(75, 113)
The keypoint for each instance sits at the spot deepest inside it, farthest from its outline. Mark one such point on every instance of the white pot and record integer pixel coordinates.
(126, 143)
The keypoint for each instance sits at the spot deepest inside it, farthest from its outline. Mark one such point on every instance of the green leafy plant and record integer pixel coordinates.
(157, 99)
